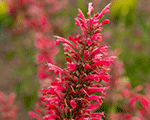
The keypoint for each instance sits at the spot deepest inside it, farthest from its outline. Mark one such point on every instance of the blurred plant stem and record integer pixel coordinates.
(112, 110)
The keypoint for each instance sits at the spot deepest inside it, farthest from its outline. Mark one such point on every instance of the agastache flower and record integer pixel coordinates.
(7, 107)
(72, 96)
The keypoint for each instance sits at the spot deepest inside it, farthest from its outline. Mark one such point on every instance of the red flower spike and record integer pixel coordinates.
(71, 96)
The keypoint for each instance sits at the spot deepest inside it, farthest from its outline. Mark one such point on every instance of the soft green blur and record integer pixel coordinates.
(124, 10)
(131, 34)
(3, 10)
(128, 31)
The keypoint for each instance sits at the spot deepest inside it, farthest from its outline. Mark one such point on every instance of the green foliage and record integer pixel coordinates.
(138, 70)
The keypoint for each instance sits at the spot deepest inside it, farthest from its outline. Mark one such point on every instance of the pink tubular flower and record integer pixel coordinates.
(72, 96)
(46, 53)
(71, 66)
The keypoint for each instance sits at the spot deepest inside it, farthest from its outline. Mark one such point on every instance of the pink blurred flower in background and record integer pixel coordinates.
(7, 107)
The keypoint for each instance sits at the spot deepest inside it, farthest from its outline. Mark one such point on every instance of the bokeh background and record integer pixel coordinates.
(128, 34)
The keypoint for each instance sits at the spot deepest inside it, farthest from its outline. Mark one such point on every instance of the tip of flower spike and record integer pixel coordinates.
(109, 4)
(107, 7)
(90, 9)
(105, 10)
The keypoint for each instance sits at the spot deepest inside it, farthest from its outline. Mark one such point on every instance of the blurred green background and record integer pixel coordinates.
(128, 31)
